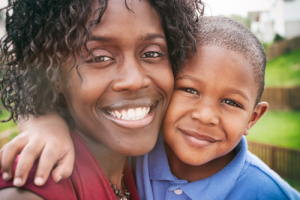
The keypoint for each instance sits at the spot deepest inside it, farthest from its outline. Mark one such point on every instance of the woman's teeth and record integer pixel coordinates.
(130, 114)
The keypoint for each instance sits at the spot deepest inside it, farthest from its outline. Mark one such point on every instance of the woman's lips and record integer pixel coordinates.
(197, 139)
(132, 118)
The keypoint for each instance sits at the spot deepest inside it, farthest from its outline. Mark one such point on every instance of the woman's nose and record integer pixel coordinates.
(131, 76)
(206, 113)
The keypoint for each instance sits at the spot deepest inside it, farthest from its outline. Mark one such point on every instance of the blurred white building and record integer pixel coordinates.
(2, 28)
(283, 17)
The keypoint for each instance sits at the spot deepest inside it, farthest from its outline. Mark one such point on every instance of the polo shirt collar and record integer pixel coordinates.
(215, 187)
(158, 162)
(220, 184)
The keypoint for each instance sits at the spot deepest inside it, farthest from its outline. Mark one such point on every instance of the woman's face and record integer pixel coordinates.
(125, 90)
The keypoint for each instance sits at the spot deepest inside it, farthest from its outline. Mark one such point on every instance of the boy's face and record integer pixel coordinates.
(122, 96)
(211, 107)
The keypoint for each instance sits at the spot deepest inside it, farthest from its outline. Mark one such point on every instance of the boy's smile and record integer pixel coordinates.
(126, 84)
(210, 110)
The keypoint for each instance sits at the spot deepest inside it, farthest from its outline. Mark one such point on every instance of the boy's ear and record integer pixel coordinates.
(259, 111)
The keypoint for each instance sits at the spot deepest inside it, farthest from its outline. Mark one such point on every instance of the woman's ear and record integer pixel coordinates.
(258, 111)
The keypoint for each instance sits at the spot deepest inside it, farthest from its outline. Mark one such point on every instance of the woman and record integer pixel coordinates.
(87, 60)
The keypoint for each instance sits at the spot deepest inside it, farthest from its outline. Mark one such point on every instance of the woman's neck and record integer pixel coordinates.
(191, 173)
(111, 162)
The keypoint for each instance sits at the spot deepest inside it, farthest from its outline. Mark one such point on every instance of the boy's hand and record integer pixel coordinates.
(46, 136)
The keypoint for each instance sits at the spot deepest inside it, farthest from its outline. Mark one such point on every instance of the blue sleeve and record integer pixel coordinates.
(255, 183)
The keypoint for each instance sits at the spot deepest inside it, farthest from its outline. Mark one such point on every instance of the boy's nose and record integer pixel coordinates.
(131, 77)
(205, 113)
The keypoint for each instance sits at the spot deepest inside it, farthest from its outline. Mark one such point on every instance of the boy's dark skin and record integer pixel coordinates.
(206, 119)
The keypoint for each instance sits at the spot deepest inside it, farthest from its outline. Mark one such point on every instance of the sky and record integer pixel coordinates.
(223, 7)
(239, 7)
(3, 3)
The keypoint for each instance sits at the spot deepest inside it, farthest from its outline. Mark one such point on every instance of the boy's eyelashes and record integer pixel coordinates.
(190, 90)
(231, 103)
(226, 101)
(153, 54)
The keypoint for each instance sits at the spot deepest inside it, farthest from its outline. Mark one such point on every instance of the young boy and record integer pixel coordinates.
(203, 153)
(214, 104)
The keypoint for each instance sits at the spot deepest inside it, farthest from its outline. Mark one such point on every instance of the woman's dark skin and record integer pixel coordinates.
(132, 70)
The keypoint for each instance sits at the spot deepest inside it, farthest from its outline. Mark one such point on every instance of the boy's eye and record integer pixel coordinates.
(190, 90)
(152, 54)
(231, 103)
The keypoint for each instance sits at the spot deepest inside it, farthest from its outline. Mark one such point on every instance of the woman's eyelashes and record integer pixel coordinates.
(98, 59)
(231, 103)
(104, 58)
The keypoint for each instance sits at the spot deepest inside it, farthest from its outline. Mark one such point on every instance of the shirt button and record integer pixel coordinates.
(178, 191)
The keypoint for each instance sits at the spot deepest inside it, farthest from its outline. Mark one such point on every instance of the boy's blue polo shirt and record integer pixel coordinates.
(245, 177)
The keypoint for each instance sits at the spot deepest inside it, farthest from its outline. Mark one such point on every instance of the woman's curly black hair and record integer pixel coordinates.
(40, 33)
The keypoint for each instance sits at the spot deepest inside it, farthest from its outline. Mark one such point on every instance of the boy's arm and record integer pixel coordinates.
(46, 136)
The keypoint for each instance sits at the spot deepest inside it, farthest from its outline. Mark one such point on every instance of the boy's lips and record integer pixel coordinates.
(131, 115)
(197, 139)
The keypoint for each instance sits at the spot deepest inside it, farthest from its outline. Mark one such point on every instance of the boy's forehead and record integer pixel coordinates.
(215, 56)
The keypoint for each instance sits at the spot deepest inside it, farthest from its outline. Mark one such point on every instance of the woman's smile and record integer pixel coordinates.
(132, 114)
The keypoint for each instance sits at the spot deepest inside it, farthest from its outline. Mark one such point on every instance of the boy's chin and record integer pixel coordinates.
(194, 162)
(204, 158)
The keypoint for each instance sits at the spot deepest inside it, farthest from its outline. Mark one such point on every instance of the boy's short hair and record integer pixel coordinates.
(231, 35)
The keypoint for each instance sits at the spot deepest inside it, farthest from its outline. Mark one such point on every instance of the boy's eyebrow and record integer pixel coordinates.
(188, 77)
(151, 36)
(235, 91)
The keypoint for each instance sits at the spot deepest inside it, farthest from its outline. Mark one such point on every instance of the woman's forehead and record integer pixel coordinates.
(132, 23)
(116, 11)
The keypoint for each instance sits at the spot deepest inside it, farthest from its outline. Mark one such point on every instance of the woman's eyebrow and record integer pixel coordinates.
(148, 37)
(102, 39)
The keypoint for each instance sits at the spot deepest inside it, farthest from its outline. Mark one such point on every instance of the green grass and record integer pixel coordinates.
(294, 184)
(5, 125)
(284, 70)
(280, 128)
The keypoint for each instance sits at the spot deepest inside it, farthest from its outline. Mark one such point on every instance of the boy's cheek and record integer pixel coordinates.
(179, 106)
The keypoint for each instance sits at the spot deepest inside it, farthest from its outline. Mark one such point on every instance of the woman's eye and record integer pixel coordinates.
(231, 103)
(189, 90)
(99, 59)
(152, 54)
(102, 58)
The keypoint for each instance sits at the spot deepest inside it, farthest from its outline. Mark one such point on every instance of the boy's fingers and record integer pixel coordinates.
(8, 155)
(47, 160)
(64, 167)
(26, 160)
